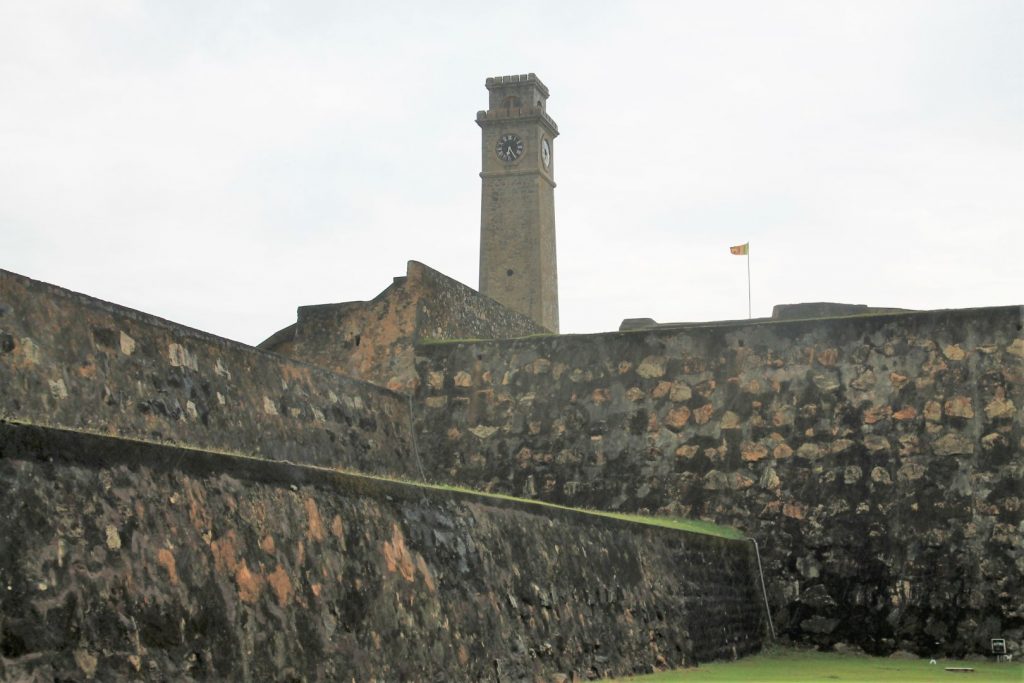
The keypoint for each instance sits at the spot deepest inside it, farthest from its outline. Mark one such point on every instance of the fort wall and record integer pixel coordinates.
(877, 459)
(131, 560)
(374, 340)
(68, 360)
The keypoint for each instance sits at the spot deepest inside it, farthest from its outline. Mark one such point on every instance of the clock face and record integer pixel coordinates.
(509, 147)
(545, 152)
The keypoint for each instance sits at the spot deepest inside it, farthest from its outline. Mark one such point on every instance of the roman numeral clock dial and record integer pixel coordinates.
(509, 147)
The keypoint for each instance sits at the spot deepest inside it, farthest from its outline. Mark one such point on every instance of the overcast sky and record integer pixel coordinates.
(221, 163)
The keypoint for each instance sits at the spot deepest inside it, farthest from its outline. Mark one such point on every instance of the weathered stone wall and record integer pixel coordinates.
(877, 459)
(72, 361)
(128, 560)
(374, 340)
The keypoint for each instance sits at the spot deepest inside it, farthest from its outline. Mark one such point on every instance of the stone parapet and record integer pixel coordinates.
(517, 79)
(375, 340)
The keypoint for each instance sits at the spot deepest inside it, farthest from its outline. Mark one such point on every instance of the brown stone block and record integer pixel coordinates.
(828, 357)
(752, 452)
(784, 416)
(954, 352)
(661, 390)
(897, 380)
(841, 446)
(540, 366)
(809, 451)
(880, 476)
(959, 406)
(952, 444)
(876, 443)
(782, 451)
(910, 471)
(703, 414)
(904, 414)
(680, 392)
(876, 414)
(652, 367)
(1000, 407)
(794, 510)
(740, 481)
(730, 420)
(910, 444)
(993, 440)
(687, 451)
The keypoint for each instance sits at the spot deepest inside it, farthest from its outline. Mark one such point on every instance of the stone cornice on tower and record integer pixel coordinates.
(524, 114)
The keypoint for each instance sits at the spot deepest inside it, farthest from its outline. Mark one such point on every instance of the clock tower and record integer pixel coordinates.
(517, 206)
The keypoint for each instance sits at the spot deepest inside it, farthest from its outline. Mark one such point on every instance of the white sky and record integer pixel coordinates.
(221, 163)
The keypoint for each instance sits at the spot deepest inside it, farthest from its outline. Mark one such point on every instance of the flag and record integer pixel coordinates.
(740, 249)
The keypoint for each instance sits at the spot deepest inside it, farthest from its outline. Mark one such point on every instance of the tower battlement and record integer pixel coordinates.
(518, 79)
(514, 92)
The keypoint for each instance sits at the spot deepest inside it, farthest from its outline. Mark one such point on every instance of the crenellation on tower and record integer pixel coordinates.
(526, 88)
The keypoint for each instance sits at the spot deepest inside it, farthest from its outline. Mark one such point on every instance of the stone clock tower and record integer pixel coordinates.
(517, 207)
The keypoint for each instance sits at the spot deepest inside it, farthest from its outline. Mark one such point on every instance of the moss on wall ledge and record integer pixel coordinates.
(131, 560)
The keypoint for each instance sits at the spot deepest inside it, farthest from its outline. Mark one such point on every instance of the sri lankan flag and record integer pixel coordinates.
(740, 249)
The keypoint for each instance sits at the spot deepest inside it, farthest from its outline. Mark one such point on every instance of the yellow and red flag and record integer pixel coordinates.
(740, 249)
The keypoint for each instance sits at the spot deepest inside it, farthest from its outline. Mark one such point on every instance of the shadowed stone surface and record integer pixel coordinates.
(132, 560)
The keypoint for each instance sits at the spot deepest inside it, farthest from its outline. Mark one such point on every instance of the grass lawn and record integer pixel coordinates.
(796, 666)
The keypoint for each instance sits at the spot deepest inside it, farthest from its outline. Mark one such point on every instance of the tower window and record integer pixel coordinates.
(510, 272)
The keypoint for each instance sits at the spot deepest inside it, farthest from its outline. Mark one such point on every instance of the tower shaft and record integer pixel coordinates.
(517, 209)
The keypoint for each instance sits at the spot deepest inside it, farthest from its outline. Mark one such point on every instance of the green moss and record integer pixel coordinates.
(690, 525)
(799, 666)
(433, 341)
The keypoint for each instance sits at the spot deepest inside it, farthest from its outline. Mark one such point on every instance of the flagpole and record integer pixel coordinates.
(749, 316)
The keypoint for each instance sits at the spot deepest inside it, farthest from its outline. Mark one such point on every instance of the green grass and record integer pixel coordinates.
(800, 666)
(691, 525)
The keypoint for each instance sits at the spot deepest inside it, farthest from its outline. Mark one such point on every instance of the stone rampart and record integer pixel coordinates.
(374, 340)
(877, 459)
(127, 560)
(69, 360)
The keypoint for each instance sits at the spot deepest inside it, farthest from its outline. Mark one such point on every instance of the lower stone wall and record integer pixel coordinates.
(877, 459)
(130, 560)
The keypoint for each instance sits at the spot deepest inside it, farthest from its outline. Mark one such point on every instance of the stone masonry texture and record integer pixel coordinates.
(375, 340)
(131, 561)
(68, 360)
(165, 521)
(877, 459)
